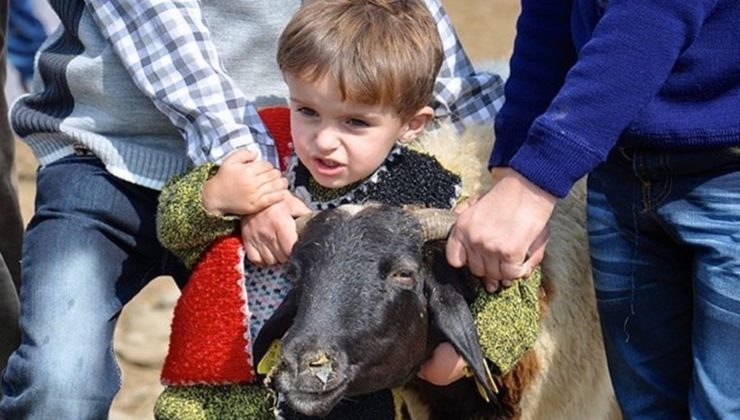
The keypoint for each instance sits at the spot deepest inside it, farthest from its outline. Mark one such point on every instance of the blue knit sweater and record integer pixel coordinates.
(587, 75)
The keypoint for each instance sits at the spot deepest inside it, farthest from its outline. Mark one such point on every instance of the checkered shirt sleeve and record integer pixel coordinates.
(461, 94)
(167, 49)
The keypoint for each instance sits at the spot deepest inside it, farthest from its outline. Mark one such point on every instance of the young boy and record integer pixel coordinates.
(360, 76)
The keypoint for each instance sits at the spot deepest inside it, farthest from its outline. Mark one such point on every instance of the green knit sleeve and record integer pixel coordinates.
(215, 402)
(508, 320)
(184, 226)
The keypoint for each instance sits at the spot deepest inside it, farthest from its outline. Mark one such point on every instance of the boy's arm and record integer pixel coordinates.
(163, 45)
(184, 226)
(204, 204)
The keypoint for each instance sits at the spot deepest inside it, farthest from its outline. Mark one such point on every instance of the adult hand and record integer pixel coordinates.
(444, 367)
(502, 236)
(244, 185)
(270, 234)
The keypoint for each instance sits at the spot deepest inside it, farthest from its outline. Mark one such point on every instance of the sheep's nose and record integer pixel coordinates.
(318, 364)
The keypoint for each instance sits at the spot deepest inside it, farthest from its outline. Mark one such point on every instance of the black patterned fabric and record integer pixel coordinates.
(406, 177)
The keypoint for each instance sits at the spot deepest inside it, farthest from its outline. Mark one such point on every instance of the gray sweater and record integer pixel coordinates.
(84, 95)
(151, 86)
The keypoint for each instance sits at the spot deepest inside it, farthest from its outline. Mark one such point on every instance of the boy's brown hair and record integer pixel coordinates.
(384, 52)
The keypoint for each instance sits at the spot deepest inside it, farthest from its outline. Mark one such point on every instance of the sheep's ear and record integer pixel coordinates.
(277, 325)
(449, 312)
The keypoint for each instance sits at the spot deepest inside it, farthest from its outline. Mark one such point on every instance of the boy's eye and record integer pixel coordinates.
(308, 112)
(358, 123)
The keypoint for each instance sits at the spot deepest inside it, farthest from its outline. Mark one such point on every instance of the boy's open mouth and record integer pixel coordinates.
(327, 166)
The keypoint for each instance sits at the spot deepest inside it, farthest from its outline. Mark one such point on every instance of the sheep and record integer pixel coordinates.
(367, 320)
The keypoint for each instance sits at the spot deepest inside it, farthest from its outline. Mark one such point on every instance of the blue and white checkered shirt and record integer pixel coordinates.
(167, 48)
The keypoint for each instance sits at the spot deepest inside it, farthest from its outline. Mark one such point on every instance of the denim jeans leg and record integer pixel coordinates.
(90, 247)
(11, 223)
(643, 294)
(9, 334)
(704, 212)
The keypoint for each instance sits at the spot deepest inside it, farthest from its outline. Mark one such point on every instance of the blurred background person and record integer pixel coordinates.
(11, 224)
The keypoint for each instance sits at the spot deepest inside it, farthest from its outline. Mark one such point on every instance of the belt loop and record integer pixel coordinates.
(627, 153)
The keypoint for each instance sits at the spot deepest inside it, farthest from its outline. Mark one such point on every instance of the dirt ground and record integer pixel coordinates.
(486, 29)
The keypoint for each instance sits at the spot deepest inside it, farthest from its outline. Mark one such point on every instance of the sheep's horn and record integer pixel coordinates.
(435, 223)
(301, 222)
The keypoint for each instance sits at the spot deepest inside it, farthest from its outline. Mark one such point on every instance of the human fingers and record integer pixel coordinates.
(273, 183)
(486, 267)
(444, 367)
(491, 284)
(252, 254)
(511, 271)
(260, 168)
(266, 252)
(491, 278)
(475, 262)
(257, 241)
(460, 208)
(240, 156)
(296, 206)
(287, 236)
(269, 186)
(537, 251)
(264, 200)
(455, 248)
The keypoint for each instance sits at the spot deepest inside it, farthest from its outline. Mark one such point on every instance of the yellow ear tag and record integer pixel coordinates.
(271, 358)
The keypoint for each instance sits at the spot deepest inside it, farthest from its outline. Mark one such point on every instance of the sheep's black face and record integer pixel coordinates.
(361, 323)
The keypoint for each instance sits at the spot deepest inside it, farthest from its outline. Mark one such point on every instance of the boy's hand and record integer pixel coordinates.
(270, 234)
(243, 186)
(444, 367)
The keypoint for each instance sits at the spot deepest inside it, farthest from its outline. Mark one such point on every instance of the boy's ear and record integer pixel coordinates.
(417, 123)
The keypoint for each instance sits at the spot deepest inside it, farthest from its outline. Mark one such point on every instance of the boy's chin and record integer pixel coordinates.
(332, 182)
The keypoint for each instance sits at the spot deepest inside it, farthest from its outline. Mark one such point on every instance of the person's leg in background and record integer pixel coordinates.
(642, 278)
(11, 223)
(25, 35)
(665, 244)
(90, 247)
(704, 212)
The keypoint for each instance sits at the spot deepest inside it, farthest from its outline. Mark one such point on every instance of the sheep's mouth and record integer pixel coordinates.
(315, 403)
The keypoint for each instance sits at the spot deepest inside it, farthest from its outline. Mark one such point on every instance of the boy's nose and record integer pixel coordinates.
(327, 139)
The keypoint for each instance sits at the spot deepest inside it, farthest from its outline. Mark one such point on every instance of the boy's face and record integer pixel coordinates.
(340, 142)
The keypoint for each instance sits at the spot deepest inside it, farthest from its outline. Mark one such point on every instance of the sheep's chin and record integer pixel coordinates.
(315, 404)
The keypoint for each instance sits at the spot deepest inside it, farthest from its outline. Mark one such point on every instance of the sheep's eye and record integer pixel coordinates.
(403, 277)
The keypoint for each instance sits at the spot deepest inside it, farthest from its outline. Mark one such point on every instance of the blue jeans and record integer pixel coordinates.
(664, 232)
(90, 247)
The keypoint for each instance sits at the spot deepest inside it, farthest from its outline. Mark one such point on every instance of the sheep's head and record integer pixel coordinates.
(372, 296)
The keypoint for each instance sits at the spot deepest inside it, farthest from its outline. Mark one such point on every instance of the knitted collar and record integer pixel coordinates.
(395, 182)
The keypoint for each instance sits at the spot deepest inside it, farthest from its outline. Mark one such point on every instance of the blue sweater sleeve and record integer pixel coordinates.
(630, 54)
(543, 53)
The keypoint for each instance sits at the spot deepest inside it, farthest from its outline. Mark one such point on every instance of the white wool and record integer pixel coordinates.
(573, 380)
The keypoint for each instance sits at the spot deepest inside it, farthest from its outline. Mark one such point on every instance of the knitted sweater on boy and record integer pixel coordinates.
(659, 74)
